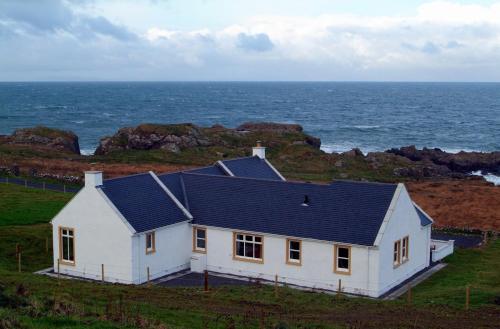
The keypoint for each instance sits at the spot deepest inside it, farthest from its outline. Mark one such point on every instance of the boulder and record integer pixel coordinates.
(462, 162)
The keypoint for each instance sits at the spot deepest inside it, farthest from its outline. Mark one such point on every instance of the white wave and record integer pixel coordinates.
(87, 151)
(340, 148)
(366, 126)
(78, 121)
(488, 177)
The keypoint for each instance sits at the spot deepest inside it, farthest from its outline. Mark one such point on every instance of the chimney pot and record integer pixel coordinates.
(259, 150)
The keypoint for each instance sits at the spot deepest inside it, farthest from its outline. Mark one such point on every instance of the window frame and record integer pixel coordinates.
(290, 261)
(396, 253)
(61, 246)
(195, 240)
(151, 250)
(405, 249)
(337, 269)
(246, 258)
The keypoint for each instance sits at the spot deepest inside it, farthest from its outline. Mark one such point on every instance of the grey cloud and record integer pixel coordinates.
(51, 16)
(44, 15)
(102, 26)
(255, 42)
(430, 48)
(453, 44)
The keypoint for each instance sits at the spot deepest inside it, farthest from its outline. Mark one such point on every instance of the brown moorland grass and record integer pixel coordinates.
(465, 204)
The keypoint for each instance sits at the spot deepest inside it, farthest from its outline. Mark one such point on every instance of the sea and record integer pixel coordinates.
(371, 116)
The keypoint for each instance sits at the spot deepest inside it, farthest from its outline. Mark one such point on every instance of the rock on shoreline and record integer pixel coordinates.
(177, 137)
(43, 137)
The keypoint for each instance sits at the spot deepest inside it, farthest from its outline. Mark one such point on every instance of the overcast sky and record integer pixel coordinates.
(249, 40)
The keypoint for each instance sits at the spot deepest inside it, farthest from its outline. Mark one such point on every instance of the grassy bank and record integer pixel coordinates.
(22, 206)
(34, 301)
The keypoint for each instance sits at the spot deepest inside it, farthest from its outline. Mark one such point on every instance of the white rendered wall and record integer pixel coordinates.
(316, 270)
(173, 252)
(101, 237)
(403, 222)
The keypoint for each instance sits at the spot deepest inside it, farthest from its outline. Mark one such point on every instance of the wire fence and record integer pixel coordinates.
(39, 185)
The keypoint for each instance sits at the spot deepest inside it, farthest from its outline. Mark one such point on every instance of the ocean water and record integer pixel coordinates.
(370, 116)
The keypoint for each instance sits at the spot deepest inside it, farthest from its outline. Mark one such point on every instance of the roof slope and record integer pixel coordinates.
(143, 202)
(251, 167)
(347, 212)
(424, 219)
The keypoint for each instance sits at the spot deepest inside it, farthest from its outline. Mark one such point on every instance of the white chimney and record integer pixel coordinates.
(93, 178)
(259, 151)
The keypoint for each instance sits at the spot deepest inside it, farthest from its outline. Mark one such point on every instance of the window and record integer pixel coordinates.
(397, 253)
(293, 252)
(342, 259)
(405, 249)
(199, 239)
(248, 247)
(150, 243)
(66, 245)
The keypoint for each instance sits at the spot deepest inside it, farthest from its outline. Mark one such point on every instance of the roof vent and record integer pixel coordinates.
(306, 201)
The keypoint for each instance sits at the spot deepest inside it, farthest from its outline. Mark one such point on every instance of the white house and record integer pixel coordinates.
(242, 217)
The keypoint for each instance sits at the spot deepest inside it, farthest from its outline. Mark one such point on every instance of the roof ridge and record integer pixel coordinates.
(123, 177)
(241, 158)
(259, 179)
(171, 195)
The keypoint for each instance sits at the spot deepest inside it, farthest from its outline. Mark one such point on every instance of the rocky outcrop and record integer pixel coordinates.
(462, 162)
(171, 138)
(177, 137)
(43, 137)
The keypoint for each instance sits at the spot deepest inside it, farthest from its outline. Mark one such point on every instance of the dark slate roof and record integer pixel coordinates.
(251, 167)
(348, 212)
(424, 219)
(142, 201)
(173, 183)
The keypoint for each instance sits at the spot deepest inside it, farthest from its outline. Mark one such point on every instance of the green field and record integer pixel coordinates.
(22, 206)
(34, 301)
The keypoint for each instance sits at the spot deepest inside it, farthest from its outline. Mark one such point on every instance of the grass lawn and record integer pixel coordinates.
(21, 206)
(34, 301)
(479, 268)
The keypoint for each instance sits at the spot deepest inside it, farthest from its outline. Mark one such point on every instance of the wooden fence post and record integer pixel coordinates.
(206, 280)
(7, 180)
(409, 294)
(148, 274)
(340, 288)
(25, 183)
(102, 272)
(467, 297)
(64, 188)
(276, 285)
(44, 186)
(18, 249)
(19, 262)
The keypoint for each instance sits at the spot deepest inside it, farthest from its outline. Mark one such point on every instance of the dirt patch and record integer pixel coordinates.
(467, 204)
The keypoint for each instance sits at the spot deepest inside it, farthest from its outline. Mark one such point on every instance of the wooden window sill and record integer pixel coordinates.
(249, 260)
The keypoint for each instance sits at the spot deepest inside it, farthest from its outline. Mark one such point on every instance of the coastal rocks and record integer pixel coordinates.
(171, 138)
(462, 162)
(49, 138)
(280, 128)
(174, 138)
